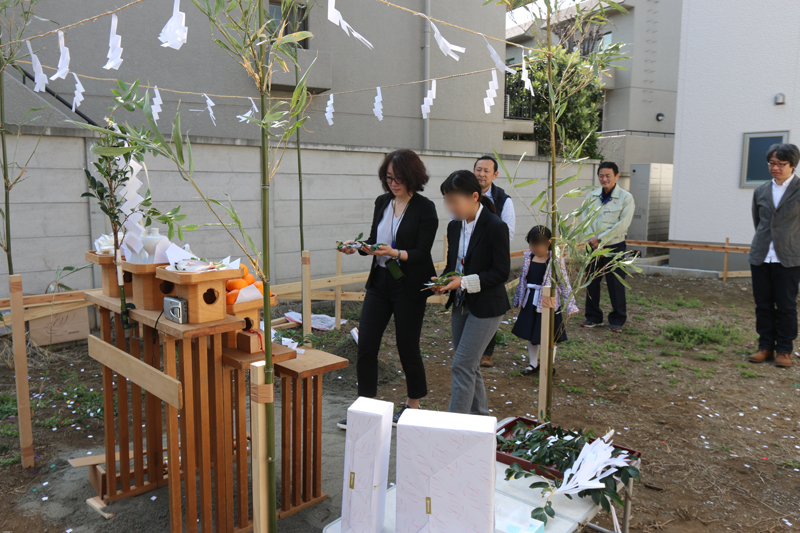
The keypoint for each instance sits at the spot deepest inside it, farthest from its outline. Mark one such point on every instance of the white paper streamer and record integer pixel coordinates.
(78, 96)
(63, 59)
(525, 75)
(427, 102)
(377, 109)
(445, 46)
(209, 105)
(498, 61)
(39, 77)
(252, 113)
(491, 93)
(155, 106)
(329, 111)
(593, 464)
(173, 34)
(336, 17)
(114, 47)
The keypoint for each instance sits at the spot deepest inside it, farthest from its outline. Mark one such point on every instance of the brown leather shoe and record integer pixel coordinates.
(783, 360)
(761, 356)
(486, 361)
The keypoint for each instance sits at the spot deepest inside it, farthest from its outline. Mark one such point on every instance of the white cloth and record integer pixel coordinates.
(386, 227)
(777, 194)
(536, 290)
(471, 283)
(508, 215)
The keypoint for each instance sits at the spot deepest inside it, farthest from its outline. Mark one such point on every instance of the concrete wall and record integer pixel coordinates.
(626, 150)
(458, 120)
(53, 226)
(726, 89)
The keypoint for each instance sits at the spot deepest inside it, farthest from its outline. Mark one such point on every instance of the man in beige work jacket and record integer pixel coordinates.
(608, 230)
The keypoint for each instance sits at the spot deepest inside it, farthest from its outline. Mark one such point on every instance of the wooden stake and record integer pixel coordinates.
(21, 370)
(725, 267)
(258, 458)
(306, 291)
(338, 305)
(544, 362)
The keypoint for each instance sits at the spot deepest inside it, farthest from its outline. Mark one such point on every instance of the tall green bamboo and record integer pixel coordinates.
(6, 187)
(553, 219)
(268, 368)
(299, 168)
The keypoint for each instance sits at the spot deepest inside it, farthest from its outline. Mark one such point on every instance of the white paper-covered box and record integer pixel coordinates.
(366, 465)
(445, 472)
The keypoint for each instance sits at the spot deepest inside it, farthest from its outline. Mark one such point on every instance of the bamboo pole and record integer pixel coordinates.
(547, 378)
(6, 182)
(306, 291)
(338, 305)
(21, 370)
(544, 366)
(725, 267)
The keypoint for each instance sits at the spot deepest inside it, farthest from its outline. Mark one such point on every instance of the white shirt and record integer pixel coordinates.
(467, 229)
(508, 215)
(387, 231)
(777, 194)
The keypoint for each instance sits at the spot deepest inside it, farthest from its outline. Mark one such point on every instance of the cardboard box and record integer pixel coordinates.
(445, 472)
(61, 327)
(366, 465)
(250, 342)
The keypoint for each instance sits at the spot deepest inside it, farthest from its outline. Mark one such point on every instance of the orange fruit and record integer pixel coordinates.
(236, 284)
(250, 279)
(231, 298)
(246, 270)
(260, 286)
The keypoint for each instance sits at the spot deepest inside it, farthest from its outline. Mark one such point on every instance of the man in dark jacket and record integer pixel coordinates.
(775, 257)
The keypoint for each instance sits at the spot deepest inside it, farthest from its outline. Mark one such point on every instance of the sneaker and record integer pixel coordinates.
(614, 328)
(590, 324)
(398, 414)
(342, 424)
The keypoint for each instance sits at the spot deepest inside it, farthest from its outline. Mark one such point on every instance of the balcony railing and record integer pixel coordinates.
(518, 101)
(636, 133)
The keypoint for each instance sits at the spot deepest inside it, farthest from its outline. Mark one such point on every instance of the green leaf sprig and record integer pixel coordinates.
(358, 244)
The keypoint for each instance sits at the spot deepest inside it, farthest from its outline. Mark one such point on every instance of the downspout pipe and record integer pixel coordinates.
(426, 70)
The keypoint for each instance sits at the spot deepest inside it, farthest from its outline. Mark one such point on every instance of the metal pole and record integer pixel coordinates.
(426, 71)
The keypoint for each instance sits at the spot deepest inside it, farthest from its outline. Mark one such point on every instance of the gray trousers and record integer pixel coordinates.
(470, 337)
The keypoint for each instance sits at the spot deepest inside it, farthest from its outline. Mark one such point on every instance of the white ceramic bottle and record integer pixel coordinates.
(150, 241)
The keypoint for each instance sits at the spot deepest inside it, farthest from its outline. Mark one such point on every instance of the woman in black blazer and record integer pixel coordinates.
(405, 223)
(479, 252)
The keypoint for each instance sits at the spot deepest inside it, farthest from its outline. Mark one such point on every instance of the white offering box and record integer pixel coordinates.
(366, 465)
(445, 472)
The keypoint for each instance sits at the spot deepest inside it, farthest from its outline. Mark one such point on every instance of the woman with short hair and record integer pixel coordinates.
(405, 224)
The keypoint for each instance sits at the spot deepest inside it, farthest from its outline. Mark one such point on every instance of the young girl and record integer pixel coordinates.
(479, 253)
(532, 300)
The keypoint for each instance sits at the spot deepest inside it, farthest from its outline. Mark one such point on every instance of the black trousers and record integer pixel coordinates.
(490, 348)
(616, 291)
(775, 292)
(384, 298)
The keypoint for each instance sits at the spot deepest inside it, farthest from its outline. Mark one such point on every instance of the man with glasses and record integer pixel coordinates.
(775, 257)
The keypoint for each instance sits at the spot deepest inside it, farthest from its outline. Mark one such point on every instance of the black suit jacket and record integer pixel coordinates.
(488, 256)
(415, 235)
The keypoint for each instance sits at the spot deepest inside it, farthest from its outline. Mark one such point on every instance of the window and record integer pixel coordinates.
(605, 41)
(754, 156)
(299, 13)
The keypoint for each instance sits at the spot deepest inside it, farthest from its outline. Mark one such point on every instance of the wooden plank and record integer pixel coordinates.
(187, 420)
(158, 434)
(108, 406)
(305, 268)
(37, 300)
(152, 410)
(240, 360)
(98, 505)
(310, 363)
(122, 410)
(227, 425)
(737, 274)
(286, 443)
(164, 387)
(240, 414)
(136, 408)
(307, 440)
(692, 246)
(316, 489)
(297, 441)
(258, 452)
(544, 362)
(217, 406)
(204, 442)
(337, 314)
(193, 278)
(173, 449)
(21, 371)
(45, 311)
(173, 329)
(725, 266)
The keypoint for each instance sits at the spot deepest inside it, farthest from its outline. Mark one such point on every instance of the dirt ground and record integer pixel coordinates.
(720, 438)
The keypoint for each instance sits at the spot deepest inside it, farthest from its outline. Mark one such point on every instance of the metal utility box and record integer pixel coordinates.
(651, 187)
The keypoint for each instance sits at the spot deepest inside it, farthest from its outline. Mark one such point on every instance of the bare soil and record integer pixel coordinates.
(720, 438)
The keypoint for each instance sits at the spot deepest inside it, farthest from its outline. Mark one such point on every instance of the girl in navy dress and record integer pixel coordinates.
(533, 302)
